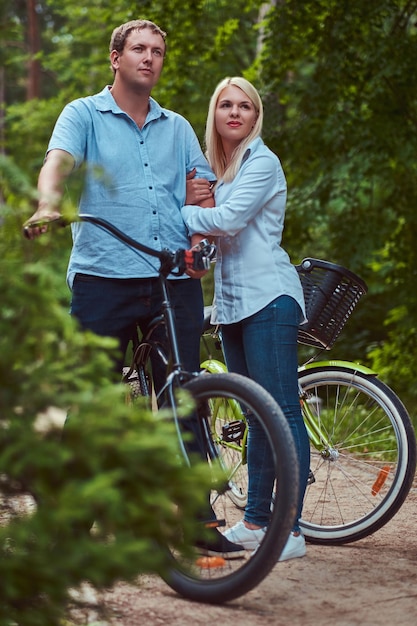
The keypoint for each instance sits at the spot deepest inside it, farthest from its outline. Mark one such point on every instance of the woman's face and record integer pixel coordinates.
(235, 115)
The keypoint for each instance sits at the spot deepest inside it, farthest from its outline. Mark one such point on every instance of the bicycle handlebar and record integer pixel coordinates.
(172, 262)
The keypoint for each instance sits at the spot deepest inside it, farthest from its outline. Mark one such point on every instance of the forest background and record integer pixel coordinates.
(339, 84)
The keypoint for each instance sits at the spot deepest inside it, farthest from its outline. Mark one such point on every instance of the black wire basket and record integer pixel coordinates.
(331, 293)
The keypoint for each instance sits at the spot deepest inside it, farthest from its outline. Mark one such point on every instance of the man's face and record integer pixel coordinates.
(140, 64)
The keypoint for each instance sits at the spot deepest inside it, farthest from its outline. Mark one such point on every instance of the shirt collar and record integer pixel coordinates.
(251, 148)
(255, 143)
(106, 102)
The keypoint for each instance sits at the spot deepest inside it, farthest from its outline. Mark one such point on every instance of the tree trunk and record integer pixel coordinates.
(34, 68)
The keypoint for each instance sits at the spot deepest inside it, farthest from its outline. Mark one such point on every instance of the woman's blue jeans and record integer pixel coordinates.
(264, 348)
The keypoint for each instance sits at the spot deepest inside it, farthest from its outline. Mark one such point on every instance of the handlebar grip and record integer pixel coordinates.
(199, 258)
(56, 221)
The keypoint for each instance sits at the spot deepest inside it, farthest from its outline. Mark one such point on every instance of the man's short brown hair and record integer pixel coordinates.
(121, 33)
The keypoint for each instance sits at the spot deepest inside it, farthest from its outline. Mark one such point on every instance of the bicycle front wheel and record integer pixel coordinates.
(218, 579)
(364, 457)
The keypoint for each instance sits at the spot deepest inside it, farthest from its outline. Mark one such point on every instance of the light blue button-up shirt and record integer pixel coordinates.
(134, 177)
(252, 268)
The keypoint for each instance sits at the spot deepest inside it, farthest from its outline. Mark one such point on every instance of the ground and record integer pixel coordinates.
(372, 582)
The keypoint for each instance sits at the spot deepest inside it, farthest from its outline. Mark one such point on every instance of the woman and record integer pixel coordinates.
(258, 294)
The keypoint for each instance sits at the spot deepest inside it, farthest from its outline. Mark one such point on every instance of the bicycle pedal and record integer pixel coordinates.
(130, 377)
(233, 431)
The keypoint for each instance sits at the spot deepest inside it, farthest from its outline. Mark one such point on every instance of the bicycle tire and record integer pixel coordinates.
(236, 577)
(364, 473)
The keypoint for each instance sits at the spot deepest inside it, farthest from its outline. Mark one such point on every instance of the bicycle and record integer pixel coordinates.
(363, 445)
(193, 573)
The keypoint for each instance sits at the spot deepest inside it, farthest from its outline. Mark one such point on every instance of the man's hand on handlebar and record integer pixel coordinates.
(195, 262)
(39, 222)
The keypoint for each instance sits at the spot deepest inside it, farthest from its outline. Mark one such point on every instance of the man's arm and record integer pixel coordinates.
(57, 167)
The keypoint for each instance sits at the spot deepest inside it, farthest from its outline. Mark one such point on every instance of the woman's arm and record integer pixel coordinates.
(260, 179)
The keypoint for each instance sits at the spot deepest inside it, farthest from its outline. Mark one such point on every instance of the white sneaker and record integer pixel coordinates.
(294, 548)
(249, 539)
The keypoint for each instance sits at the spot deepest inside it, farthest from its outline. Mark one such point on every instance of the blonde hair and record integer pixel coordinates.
(214, 147)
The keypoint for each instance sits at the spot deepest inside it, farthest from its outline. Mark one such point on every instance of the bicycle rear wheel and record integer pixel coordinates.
(365, 465)
(218, 579)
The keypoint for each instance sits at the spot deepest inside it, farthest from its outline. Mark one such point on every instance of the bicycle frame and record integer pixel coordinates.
(317, 436)
(217, 367)
(171, 263)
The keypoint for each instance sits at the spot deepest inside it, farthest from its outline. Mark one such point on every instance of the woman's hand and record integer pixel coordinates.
(199, 191)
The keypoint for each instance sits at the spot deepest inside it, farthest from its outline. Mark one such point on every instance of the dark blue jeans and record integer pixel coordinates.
(113, 307)
(264, 348)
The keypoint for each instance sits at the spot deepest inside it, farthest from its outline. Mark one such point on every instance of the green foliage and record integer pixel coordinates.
(394, 360)
(341, 91)
(206, 41)
(114, 463)
(28, 141)
(346, 93)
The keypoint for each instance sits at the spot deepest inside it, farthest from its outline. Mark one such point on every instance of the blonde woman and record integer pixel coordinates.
(258, 294)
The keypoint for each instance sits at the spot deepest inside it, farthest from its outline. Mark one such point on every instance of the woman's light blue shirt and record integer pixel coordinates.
(252, 268)
(134, 177)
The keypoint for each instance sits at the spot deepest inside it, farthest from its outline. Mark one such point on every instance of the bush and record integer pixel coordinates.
(114, 462)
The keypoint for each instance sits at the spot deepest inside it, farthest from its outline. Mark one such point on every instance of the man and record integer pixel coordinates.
(136, 157)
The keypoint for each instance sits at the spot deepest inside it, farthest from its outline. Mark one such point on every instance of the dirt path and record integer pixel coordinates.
(372, 582)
